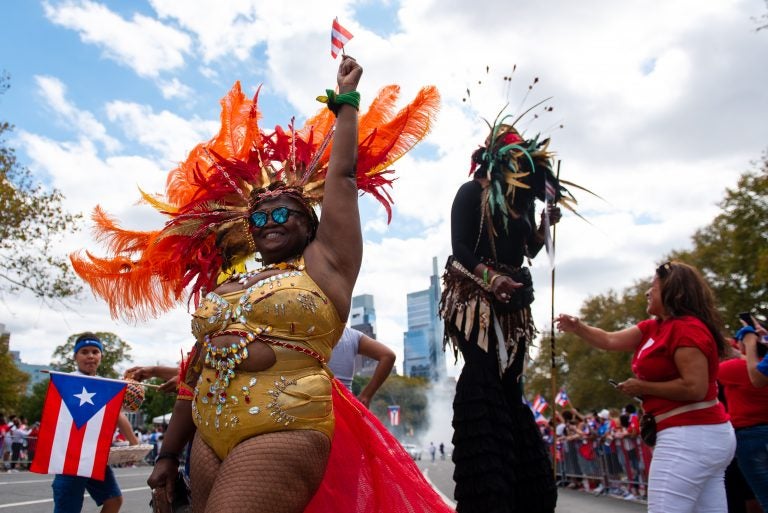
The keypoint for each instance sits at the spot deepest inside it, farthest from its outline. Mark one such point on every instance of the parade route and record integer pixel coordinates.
(25, 492)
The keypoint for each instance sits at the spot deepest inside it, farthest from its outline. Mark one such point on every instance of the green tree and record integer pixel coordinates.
(116, 351)
(32, 220)
(32, 405)
(409, 393)
(762, 21)
(732, 251)
(156, 403)
(13, 382)
(732, 254)
(585, 371)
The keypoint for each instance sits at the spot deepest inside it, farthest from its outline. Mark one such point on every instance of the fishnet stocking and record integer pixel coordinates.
(270, 473)
(203, 468)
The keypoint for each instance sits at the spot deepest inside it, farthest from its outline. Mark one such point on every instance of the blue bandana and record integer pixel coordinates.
(86, 342)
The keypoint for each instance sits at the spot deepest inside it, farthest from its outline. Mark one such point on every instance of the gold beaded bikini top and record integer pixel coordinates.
(286, 306)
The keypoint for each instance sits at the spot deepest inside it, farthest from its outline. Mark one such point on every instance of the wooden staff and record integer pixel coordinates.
(553, 379)
(45, 371)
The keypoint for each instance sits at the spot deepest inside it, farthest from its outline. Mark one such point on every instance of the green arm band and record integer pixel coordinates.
(335, 101)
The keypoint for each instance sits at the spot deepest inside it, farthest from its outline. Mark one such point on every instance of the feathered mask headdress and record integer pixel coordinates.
(519, 170)
(223, 179)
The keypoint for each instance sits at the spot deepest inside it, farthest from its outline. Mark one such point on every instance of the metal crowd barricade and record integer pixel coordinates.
(25, 454)
(618, 466)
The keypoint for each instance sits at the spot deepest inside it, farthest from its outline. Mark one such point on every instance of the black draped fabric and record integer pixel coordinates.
(511, 244)
(501, 463)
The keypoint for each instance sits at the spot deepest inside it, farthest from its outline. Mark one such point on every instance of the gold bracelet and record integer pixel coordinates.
(490, 283)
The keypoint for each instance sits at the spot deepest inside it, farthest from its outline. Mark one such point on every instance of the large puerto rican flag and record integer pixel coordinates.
(79, 418)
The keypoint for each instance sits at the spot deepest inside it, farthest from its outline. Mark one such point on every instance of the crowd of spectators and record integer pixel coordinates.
(602, 451)
(18, 441)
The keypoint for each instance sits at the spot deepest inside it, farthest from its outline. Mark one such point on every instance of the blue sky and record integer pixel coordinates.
(661, 110)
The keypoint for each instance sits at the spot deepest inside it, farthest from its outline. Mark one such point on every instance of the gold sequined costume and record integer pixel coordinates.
(293, 316)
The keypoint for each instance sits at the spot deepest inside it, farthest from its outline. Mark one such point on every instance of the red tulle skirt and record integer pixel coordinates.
(368, 470)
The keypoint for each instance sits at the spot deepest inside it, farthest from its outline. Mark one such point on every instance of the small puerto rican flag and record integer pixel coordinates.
(550, 194)
(539, 404)
(79, 417)
(394, 415)
(339, 37)
(562, 398)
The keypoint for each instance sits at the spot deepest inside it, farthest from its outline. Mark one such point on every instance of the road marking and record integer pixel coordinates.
(30, 481)
(43, 501)
(17, 504)
(445, 498)
(27, 481)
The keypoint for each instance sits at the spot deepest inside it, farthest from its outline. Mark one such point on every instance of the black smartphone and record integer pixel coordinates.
(747, 318)
(614, 384)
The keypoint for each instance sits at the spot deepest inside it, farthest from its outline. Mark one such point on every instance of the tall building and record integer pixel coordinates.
(362, 317)
(423, 342)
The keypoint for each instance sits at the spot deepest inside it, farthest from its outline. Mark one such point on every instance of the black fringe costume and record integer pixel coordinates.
(501, 463)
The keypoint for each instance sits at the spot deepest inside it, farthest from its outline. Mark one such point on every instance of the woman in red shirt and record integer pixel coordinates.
(748, 408)
(675, 362)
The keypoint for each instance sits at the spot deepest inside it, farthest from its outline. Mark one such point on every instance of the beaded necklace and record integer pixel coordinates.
(243, 278)
(224, 360)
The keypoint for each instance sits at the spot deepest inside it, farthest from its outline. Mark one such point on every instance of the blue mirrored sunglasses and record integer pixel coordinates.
(279, 215)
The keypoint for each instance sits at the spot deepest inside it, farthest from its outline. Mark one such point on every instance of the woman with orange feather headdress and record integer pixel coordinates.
(272, 431)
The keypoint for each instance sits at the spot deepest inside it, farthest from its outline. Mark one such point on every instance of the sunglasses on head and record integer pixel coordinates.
(279, 215)
(664, 269)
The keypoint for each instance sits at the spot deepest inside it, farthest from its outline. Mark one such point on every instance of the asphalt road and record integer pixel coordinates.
(25, 492)
(440, 474)
(31, 493)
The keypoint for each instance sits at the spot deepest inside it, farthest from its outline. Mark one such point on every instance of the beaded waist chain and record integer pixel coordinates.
(246, 337)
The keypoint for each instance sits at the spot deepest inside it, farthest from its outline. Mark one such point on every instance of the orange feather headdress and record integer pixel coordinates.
(223, 179)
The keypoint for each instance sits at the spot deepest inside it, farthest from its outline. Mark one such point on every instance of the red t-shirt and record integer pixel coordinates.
(747, 405)
(654, 361)
(634, 425)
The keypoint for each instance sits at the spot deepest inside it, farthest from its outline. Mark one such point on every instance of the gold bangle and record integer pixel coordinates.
(490, 283)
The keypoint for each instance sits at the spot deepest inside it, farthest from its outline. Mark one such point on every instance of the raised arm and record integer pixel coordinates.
(623, 340)
(335, 255)
(386, 360)
(757, 378)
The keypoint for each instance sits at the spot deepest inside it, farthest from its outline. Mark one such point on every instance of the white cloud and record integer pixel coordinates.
(174, 89)
(141, 43)
(166, 132)
(53, 92)
(663, 107)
